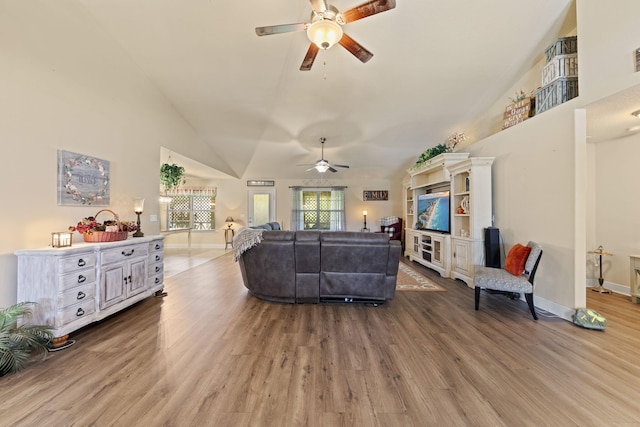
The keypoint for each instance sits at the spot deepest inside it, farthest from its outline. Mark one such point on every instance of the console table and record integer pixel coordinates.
(635, 277)
(79, 285)
(228, 237)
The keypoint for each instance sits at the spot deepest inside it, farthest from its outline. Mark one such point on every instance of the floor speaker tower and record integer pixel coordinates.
(492, 247)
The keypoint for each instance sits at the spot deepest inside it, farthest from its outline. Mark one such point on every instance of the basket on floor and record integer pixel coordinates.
(106, 236)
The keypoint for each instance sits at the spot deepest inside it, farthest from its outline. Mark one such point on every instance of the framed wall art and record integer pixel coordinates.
(372, 195)
(82, 180)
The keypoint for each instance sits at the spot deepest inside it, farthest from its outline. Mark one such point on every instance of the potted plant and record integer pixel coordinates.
(448, 147)
(171, 175)
(18, 342)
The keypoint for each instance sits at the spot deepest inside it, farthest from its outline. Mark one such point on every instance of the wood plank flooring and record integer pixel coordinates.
(211, 355)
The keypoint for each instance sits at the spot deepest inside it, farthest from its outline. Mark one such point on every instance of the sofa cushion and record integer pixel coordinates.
(516, 259)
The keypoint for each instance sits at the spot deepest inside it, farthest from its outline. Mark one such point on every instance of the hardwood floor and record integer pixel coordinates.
(211, 355)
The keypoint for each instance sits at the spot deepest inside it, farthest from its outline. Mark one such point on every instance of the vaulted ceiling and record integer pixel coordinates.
(436, 66)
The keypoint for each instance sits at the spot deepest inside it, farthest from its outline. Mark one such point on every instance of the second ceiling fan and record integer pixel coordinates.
(322, 165)
(325, 28)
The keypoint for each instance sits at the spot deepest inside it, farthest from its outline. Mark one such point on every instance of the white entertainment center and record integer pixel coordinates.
(454, 252)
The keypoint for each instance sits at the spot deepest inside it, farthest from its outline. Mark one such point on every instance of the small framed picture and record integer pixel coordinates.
(374, 195)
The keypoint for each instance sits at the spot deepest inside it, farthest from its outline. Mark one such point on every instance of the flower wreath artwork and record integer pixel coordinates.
(82, 180)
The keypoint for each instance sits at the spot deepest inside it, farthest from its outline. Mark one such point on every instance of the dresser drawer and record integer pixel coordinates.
(77, 262)
(157, 246)
(155, 280)
(156, 268)
(157, 257)
(78, 294)
(123, 253)
(77, 311)
(79, 278)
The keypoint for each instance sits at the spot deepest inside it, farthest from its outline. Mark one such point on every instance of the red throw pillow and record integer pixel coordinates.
(516, 259)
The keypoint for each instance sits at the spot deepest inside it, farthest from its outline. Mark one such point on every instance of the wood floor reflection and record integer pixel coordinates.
(209, 354)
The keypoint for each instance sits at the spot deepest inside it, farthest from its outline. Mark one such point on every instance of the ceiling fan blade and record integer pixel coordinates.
(340, 166)
(332, 169)
(307, 62)
(355, 48)
(279, 29)
(318, 6)
(367, 9)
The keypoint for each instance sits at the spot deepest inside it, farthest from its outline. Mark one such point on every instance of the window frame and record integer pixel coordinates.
(192, 213)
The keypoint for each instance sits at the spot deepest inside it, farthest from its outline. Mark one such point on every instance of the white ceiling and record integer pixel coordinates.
(437, 65)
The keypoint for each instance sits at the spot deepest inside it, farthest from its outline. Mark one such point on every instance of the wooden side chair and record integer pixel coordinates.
(516, 276)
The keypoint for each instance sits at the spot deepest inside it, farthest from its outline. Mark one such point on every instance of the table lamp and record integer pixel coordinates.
(138, 208)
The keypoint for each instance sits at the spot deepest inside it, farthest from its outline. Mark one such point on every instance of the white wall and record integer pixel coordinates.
(618, 203)
(66, 85)
(607, 39)
(533, 197)
(608, 35)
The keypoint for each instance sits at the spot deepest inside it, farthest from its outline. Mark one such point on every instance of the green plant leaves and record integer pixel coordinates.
(171, 175)
(18, 343)
(430, 153)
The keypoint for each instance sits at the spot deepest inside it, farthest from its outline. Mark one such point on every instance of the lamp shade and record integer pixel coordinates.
(324, 33)
(229, 219)
(138, 205)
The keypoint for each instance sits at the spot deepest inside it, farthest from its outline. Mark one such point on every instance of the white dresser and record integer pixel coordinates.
(87, 282)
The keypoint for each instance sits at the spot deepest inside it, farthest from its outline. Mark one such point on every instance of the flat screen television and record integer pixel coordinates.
(433, 212)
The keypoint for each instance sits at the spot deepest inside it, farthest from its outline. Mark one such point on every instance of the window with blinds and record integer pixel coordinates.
(318, 209)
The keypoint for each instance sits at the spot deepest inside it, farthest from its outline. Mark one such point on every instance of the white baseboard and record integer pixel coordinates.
(613, 287)
(566, 313)
(198, 246)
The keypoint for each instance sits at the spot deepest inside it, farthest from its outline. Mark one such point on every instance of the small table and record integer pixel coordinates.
(635, 276)
(228, 237)
(180, 230)
(600, 252)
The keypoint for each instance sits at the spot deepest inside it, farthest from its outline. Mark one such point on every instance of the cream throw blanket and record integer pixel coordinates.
(245, 239)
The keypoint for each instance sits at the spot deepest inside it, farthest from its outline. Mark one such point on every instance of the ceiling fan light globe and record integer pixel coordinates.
(322, 168)
(324, 33)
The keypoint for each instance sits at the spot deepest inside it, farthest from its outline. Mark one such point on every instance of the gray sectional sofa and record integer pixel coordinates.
(313, 266)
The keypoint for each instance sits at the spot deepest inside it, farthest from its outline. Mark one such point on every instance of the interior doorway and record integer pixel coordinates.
(261, 206)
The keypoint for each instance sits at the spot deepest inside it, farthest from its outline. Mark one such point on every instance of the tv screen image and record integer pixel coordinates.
(433, 211)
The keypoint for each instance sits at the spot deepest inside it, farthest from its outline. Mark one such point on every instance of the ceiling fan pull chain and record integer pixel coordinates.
(325, 69)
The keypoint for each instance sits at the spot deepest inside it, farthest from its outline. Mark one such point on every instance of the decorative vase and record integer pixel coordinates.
(464, 203)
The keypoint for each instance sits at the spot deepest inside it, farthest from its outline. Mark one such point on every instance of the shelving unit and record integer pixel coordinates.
(471, 214)
(408, 212)
(469, 183)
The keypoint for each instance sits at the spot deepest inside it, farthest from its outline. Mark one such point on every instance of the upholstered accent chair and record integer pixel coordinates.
(392, 226)
(499, 279)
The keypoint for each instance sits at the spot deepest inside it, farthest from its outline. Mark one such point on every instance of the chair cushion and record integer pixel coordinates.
(516, 259)
(533, 256)
(500, 280)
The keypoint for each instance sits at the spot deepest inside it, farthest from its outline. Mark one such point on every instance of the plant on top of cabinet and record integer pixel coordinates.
(446, 147)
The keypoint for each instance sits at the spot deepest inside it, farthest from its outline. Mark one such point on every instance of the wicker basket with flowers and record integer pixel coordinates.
(111, 230)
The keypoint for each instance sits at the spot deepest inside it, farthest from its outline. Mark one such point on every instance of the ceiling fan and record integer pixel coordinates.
(325, 28)
(322, 165)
